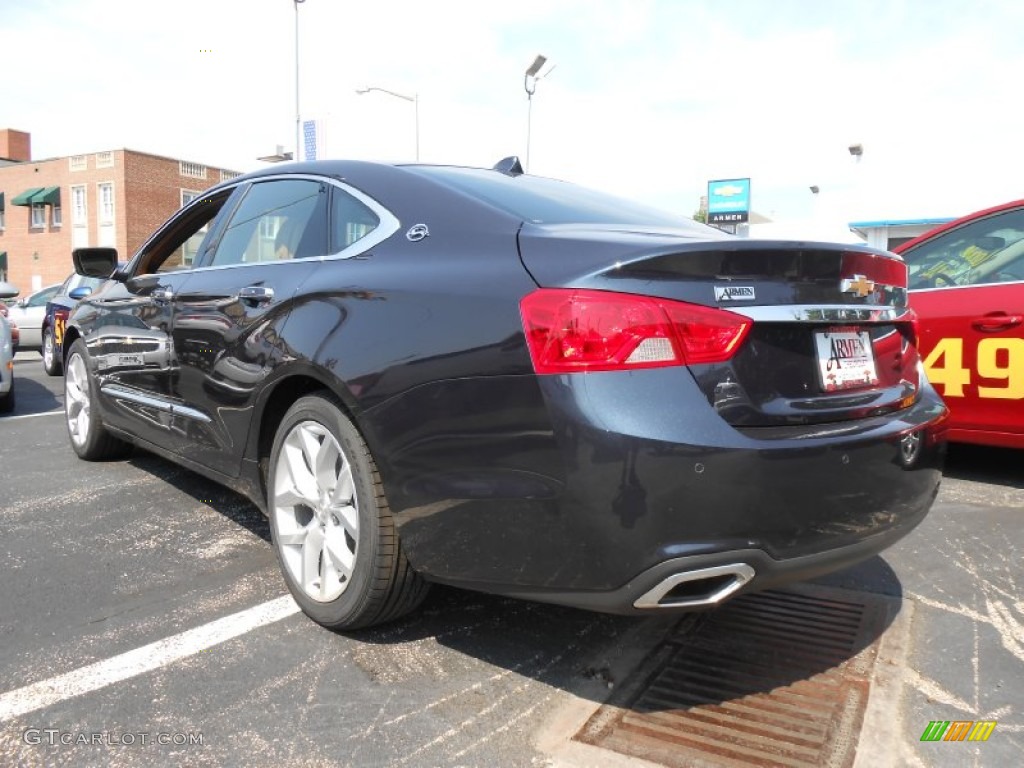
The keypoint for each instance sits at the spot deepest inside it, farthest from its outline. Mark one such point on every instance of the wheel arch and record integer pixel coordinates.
(302, 380)
(71, 335)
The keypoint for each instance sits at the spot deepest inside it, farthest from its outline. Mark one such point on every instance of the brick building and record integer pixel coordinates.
(117, 198)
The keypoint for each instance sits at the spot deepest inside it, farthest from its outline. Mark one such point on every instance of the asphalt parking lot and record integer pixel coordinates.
(143, 622)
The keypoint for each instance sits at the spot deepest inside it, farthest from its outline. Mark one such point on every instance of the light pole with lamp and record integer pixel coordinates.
(415, 99)
(530, 86)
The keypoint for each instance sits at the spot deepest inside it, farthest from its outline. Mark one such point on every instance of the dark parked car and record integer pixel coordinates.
(511, 384)
(55, 318)
(967, 288)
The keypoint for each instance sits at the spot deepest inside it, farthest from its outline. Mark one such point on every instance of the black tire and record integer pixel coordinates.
(93, 442)
(382, 586)
(52, 363)
(7, 401)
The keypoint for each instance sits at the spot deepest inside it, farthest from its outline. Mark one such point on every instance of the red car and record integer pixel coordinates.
(967, 287)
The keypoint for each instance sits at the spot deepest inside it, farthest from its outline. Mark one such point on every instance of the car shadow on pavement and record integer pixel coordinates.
(33, 397)
(589, 655)
(586, 653)
(230, 504)
(984, 464)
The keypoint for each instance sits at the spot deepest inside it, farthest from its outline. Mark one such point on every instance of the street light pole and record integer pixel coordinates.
(530, 86)
(415, 99)
(298, 119)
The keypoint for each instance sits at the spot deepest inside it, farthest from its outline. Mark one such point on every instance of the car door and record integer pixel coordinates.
(129, 343)
(229, 314)
(967, 287)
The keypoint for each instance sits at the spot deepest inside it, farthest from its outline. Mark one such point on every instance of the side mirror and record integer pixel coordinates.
(94, 262)
(8, 290)
(79, 293)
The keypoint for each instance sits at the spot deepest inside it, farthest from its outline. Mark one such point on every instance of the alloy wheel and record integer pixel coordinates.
(316, 511)
(76, 400)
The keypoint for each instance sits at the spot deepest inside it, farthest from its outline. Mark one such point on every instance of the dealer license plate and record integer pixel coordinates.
(845, 359)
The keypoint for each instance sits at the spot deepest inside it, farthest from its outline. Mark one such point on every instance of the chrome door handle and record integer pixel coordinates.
(258, 293)
(996, 321)
(162, 294)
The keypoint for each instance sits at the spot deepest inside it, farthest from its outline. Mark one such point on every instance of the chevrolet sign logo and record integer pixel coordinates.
(859, 285)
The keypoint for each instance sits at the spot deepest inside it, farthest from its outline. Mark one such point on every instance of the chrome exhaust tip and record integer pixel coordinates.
(704, 586)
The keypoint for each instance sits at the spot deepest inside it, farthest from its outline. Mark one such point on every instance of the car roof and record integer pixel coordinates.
(957, 223)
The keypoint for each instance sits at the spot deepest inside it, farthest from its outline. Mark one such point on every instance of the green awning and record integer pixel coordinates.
(47, 196)
(25, 198)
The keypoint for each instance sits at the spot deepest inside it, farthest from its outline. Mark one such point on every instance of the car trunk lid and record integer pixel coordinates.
(831, 337)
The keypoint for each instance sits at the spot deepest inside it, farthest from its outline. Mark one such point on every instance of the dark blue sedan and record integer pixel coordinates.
(508, 383)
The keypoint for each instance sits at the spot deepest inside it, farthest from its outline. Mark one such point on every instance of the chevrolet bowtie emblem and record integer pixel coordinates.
(858, 284)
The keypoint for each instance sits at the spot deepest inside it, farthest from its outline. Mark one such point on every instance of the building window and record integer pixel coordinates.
(79, 209)
(104, 159)
(193, 170)
(226, 175)
(38, 216)
(106, 203)
(1, 219)
(187, 196)
(56, 217)
(78, 162)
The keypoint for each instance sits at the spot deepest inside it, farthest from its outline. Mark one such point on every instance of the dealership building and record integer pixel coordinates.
(111, 198)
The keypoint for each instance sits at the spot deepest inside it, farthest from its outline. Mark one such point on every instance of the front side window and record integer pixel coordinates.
(275, 221)
(989, 250)
(38, 215)
(177, 244)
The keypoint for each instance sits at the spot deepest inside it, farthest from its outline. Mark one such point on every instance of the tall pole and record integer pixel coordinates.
(416, 104)
(529, 122)
(530, 85)
(298, 119)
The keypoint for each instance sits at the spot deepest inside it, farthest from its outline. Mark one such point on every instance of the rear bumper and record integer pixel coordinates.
(622, 480)
(703, 581)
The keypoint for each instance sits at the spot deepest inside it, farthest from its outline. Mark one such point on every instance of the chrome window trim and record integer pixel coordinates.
(819, 313)
(961, 287)
(389, 224)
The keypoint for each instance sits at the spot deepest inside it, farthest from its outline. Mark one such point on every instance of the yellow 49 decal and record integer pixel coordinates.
(58, 330)
(953, 376)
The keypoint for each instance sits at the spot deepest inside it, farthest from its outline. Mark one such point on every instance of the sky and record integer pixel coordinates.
(648, 99)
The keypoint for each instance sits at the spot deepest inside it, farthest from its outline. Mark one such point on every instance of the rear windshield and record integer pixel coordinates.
(549, 201)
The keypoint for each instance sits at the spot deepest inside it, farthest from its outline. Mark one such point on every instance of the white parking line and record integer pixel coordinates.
(145, 659)
(32, 415)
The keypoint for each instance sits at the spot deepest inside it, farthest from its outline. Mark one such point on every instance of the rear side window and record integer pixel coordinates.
(990, 250)
(549, 201)
(351, 221)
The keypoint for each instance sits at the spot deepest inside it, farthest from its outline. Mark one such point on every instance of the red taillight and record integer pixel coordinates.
(570, 330)
(883, 270)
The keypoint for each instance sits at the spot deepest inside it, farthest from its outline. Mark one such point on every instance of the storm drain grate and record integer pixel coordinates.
(777, 678)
